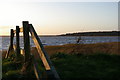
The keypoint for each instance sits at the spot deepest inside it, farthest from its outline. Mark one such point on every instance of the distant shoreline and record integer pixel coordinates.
(70, 36)
(100, 33)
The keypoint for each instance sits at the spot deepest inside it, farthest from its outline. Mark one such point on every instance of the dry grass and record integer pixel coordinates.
(3, 52)
(110, 48)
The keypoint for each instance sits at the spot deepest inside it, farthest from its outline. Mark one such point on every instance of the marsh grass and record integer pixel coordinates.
(73, 61)
(107, 48)
(72, 66)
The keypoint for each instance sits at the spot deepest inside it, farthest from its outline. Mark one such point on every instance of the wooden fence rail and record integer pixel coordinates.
(42, 53)
(21, 30)
(50, 70)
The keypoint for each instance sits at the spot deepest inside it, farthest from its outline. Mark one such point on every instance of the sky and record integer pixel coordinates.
(54, 18)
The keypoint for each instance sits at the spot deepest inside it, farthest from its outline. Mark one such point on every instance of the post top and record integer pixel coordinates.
(25, 21)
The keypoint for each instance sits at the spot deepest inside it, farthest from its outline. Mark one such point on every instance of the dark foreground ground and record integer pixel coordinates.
(74, 61)
(82, 67)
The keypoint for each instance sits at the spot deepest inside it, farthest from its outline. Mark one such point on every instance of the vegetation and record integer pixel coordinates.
(108, 48)
(12, 70)
(98, 66)
(73, 66)
(72, 61)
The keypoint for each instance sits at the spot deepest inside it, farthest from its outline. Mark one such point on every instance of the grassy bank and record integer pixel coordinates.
(74, 61)
(11, 70)
(97, 66)
(110, 48)
(107, 48)
(73, 66)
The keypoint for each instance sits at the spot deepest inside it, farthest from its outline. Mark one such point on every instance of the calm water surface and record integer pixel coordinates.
(61, 40)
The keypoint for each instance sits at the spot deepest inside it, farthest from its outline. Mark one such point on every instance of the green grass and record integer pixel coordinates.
(98, 66)
(11, 70)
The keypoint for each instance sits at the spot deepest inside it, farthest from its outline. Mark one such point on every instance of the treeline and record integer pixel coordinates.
(100, 33)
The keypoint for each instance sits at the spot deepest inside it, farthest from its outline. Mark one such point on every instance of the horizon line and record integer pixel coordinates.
(67, 33)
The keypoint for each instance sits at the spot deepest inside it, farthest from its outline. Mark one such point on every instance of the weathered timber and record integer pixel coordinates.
(21, 30)
(11, 43)
(26, 40)
(28, 59)
(36, 70)
(43, 55)
(17, 41)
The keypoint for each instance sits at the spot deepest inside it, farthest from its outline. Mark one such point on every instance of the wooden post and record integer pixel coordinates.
(17, 41)
(11, 42)
(27, 66)
(26, 40)
(43, 55)
(11, 39)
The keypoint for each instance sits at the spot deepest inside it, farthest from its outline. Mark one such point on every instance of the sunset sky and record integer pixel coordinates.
(51, 18)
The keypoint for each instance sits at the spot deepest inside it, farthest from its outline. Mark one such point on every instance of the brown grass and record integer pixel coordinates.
(3, 52)
(110, 48)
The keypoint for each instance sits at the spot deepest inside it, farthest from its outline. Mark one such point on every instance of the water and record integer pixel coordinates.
(61, 40)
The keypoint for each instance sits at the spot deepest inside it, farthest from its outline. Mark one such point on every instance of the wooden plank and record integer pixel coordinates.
(43, 55)
(36, 70)
(11, 42)
(21, 30)
(14, 31)
(17, 41)
(6, 56)
(26, 40)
